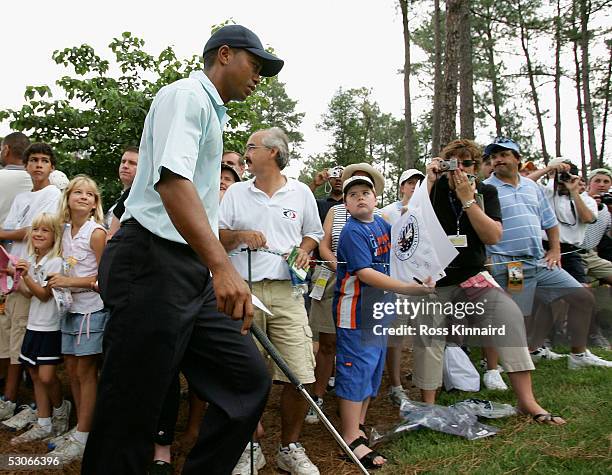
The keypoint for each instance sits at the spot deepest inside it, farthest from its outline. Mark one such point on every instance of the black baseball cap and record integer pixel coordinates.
(237, 36)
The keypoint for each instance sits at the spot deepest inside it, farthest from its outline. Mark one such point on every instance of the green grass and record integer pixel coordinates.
(583, 445)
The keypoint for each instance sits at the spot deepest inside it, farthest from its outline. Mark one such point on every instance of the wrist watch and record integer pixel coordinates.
(468, 203)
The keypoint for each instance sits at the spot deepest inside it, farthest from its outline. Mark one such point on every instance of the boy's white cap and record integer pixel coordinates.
(354, 180)
(408, 174)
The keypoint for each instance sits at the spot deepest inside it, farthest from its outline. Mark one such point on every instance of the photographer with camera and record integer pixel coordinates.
(574, 211)
(598, 185)
(332, 179)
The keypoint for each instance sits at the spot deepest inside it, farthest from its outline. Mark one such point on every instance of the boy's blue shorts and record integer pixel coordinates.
(359, 368)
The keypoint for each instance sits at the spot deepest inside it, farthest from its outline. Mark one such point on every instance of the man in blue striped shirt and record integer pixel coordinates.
(525, 212)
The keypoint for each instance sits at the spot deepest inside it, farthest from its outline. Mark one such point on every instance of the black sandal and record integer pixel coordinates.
(368, 459)
(547, 418)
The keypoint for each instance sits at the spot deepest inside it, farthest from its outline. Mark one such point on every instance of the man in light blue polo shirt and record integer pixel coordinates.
(519, 260)
(166, 279)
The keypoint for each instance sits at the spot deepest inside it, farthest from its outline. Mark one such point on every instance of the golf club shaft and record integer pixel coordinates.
(280, 362)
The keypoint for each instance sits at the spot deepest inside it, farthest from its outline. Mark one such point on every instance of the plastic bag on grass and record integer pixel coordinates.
(450, 420)
(488, 409)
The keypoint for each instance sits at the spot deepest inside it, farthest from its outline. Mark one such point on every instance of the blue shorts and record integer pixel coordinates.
(82, 334)
(359, 368)
(550, 284)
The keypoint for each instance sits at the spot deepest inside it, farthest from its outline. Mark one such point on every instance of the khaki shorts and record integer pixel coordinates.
(13, 326)
(287, 329)
(321, 317)
(596, 267)
(428, 352)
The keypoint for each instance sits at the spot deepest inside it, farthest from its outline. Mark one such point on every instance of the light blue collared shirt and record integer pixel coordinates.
(182, 133)
(525, 213)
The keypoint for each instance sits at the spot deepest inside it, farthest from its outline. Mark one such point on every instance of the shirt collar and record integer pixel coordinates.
(14, 167)
(211, 90)
(496, 181)
(331, 200)
(289, 186)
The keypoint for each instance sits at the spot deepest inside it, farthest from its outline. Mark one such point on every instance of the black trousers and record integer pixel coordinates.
(164, 319)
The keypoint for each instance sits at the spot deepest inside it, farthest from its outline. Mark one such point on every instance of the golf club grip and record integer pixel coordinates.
(273, 352)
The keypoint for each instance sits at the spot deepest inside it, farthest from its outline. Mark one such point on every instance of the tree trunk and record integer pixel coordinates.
(606, 107)
(466, 78)
(586, 90)
(530, 74)
(437, 99)
(579, 109)
(492, 70)
(558, 80)
(448, 108)
(409, 149)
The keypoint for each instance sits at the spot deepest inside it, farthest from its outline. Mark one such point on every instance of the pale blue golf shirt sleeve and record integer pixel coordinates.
(182, 133)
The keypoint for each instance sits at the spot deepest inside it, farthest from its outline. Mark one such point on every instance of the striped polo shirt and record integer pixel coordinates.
(525, 213)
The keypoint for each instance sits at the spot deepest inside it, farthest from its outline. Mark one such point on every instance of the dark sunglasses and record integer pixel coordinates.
(467, 163)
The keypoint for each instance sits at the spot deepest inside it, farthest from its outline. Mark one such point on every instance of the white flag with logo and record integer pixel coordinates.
(419, 246)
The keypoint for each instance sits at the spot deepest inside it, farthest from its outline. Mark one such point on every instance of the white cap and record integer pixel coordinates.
(59, 179)
(408, 174)
(355, 180)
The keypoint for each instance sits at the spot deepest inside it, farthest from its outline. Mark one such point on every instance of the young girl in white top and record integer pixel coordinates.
(41, 348)
(83, 327)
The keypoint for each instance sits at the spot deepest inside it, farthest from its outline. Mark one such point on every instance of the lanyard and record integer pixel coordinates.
(458, 211)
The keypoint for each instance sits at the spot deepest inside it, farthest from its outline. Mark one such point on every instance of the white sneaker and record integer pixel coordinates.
(493, 380)
(61, 417)
(312, 417)
(483, 365)
(70, 450)
(36, 432)
(397, 396)
(7, 409)
(586, 359)
(293, 459)
(544, 353)
(243, 467)
(54, 442)
(25, 416)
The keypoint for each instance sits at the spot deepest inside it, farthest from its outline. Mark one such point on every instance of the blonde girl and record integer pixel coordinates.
(83, 326)
(41, 348)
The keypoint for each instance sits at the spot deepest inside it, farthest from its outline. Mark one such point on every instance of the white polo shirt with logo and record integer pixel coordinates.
(284, 219)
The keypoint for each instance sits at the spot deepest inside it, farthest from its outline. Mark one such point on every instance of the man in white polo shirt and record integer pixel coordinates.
(282, 214)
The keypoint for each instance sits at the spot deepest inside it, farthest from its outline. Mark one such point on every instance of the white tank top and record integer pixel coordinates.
(81, 261)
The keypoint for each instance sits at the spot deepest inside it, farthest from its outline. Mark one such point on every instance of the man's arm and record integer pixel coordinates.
(14, 234)
(553, 255)
(584, 214)
(560, 167)
(231, 238)
(188, 216)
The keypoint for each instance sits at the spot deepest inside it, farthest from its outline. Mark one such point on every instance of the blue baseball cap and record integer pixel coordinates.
(501, 143)
(237, 36)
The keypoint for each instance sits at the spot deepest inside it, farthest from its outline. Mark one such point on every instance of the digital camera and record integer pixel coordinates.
(564, 177)
(606, 198)
(447, 165)
(335, 172)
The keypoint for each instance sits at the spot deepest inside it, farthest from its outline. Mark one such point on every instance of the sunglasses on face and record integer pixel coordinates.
(467, 163)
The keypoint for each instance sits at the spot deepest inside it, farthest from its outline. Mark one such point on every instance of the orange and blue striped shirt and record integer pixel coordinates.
(361, 245)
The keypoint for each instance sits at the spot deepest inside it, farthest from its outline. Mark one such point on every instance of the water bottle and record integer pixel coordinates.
(298, 286)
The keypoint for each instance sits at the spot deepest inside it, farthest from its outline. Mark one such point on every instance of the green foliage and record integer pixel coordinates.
(361, 133)
(101, 107)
